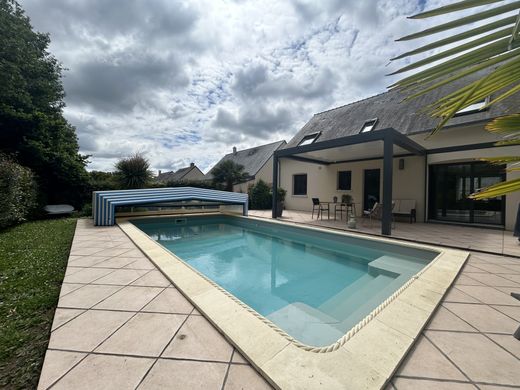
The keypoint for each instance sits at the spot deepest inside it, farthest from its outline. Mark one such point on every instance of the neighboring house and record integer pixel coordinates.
(342, 151)
(257, 162)
(183, 174)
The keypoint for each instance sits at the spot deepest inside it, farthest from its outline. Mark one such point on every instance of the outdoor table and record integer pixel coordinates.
(348, 207)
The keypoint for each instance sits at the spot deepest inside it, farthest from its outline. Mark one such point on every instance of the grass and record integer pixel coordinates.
(33, 257)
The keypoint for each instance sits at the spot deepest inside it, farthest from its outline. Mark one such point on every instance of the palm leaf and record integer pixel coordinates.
(498, 189)
(505, 124)
(453, 7)
(501, 160)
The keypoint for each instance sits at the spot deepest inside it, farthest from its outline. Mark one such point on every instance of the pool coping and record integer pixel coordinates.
(366, 359)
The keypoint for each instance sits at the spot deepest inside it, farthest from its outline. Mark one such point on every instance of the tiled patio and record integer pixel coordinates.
(120, 324)
(464, 237)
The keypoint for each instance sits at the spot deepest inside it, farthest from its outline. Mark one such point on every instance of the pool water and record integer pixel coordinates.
(314, 285)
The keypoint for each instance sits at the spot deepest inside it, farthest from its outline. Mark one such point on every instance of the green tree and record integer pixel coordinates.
(228, 173)
(493, 47)
(32, 126)
(133, 172)
(260, 196)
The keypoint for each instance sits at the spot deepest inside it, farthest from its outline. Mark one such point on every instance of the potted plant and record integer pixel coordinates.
(280, 199)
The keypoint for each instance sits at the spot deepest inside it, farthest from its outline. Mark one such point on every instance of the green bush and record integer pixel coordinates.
(18, 189)
(260, 197)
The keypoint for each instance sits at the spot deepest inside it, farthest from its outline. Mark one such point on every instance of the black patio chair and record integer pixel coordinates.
(321, 207)
(516, 335)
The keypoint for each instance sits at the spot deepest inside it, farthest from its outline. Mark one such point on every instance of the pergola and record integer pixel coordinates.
(385, 144)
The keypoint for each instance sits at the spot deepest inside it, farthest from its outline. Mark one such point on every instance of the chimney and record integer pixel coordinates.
(234, 150)
(192, 165)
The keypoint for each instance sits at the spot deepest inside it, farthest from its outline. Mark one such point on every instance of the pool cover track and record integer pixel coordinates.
(365, 357)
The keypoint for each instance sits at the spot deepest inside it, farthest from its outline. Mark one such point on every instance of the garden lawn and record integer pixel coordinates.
(33, 258)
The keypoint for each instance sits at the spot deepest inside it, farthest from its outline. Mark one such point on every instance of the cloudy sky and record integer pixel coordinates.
(186, 81)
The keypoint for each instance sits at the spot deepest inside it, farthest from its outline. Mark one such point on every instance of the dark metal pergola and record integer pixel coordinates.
(389, 137)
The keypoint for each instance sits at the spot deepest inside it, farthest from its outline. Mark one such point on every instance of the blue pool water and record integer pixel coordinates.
(313, 285)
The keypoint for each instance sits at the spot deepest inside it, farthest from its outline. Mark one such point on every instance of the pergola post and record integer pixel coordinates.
(275, 184)
(388, 162)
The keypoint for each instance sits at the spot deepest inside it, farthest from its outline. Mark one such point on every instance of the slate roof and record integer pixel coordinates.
(390, 110)
(253, 159)
(178, 175)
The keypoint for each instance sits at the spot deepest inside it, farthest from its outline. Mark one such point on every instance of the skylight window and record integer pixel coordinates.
(369, 125)
(309, 139)
(472, 108)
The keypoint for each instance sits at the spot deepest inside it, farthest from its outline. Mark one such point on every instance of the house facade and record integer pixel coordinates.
(191, 173)
(346, 150)
(257, 162)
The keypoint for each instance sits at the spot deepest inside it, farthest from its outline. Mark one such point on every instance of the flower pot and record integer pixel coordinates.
(279, 209)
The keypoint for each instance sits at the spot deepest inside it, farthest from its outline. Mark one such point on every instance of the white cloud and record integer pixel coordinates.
(185, 81)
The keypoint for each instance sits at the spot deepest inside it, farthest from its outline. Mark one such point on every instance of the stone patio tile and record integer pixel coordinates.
(238, 358)
(483, 317)
(497, 269)
(87, 331)
(514, 277)
(508, 342)
(455, 295)
(512, 268)
(87, 275)
(169, 301)
(129, 298)
(511, 311)
(85, 251)
(114, 262)
(105, 372)
(69, 287)
(62, 316)
(427, 362)
(87, 296)
(140, 264)
(146, 334)
(56, 364)
(199, 340)
(180, 374)
(465, 280)
(443, 319)
(121, 276)
(114, 252)
(241, 377)
(489, 295)
(468, 269)
(478, 357)
(132, 253)
(87, 261)
(416, 384)
(494, 280)
(152, 279)
(70, 270)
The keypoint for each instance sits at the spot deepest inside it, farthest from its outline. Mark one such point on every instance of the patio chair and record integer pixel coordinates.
(516, 335)
(376, 213)
(321, 207)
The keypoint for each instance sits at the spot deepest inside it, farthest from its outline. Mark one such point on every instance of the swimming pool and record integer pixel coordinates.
(313, 285)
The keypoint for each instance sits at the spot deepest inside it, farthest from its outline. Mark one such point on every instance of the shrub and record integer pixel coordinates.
(260, 197)
(18, 189)
(209, 184)
(133, 172)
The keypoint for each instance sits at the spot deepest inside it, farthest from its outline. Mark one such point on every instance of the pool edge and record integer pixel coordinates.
(367, 359)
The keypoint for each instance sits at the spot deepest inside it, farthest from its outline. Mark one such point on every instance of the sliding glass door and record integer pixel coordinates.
(450, 185)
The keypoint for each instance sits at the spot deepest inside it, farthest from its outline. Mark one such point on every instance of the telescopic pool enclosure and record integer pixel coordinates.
(105, 203)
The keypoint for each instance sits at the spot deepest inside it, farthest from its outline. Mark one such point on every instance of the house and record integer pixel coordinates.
(378, 150)
(191, 173)
(257, 163)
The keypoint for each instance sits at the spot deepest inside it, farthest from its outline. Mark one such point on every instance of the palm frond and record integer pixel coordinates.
(505, 124)
(453, 7)
(498, 189)
(501, 160)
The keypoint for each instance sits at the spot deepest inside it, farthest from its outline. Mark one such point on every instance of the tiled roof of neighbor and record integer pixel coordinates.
(390, 110)
(177, 175)
(253, 159)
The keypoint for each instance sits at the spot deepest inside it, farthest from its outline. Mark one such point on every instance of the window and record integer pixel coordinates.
(472, 108)
(309, 139)
(368, 125)
(300, 184)
(344, 180)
